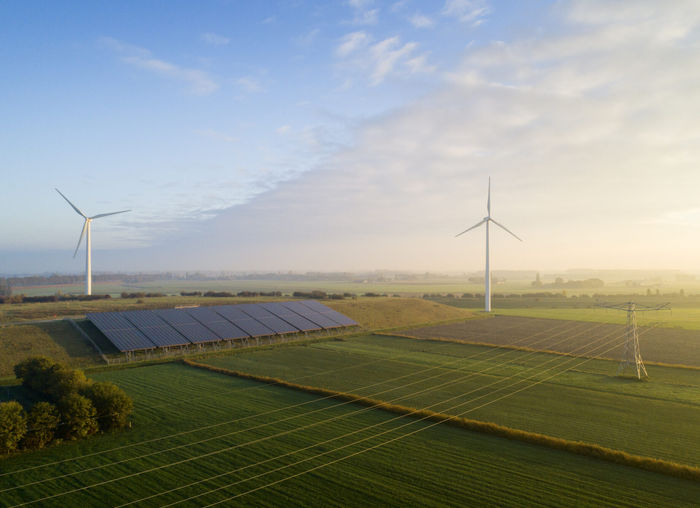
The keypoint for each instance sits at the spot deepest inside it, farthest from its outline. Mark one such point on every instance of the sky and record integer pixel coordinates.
(350, 135)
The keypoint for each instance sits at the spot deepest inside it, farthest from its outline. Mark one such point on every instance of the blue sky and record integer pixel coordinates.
(349, 135)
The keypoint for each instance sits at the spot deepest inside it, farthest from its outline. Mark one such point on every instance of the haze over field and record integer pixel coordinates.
(350, 136)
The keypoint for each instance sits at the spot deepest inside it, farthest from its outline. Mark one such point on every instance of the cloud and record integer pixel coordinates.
(421, 21)
(584, 141)
(380, 60)
(199, 82)
(215, 39)
(466, 11)
(351, 42)
(307, 38)
(363, 15)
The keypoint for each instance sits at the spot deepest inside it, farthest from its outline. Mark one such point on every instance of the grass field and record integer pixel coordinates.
(434, 466)
(657, 418)
(61, 342)
(57, 339)
(659, 344)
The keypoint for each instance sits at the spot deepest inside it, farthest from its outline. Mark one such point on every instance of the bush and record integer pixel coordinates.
(63, 381)
(113, 405)
(13, 425)
(190, 293)
(42, 422)
(34, 372)
(78, 416)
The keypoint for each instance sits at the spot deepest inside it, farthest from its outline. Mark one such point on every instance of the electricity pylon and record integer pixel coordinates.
(632, 358)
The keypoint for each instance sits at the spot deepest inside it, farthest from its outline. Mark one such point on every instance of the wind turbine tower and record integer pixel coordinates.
(88, 243)
(487, 273)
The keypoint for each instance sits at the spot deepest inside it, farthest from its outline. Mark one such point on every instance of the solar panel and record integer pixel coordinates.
(251, 326)
(120, 331)
(312, 315)
(290, 316)
(330, 313)
(153, 327)
(267, 318)
(187, 325)
(217, 323)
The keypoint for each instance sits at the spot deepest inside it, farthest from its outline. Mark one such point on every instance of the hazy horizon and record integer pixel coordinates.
(351, 136)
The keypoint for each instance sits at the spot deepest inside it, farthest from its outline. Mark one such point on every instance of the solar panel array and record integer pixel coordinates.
(149, 329)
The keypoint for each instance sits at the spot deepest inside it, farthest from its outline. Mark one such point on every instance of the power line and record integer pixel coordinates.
(274, 435)
(442, 366)
(374, 446)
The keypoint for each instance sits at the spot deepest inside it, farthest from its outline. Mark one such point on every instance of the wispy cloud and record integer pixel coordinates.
(467, 11)
(199, 82)
(419, 20)
(377, 61)
(351, 42)
(362, 14)
(215, 39)
(308, 38)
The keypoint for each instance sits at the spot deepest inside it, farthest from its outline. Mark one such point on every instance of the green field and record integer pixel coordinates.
(433, 466)
(589, 403)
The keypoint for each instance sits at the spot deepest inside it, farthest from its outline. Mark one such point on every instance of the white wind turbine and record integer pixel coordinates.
(487, 274)
(88, 246)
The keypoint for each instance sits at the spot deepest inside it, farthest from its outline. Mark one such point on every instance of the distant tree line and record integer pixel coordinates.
(58, 297)
(141, 295)
(72, 407)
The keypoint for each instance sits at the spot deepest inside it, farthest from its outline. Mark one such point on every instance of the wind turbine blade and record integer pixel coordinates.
(71, 204)
(473, 227)
(506, 229)
(488, 202)
(106, 214)
(82, 233)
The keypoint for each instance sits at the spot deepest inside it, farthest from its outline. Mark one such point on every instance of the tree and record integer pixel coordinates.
(13, 425)
(61, 381)
(113, 405)
(42, 422)
(78, 416)
(34, 372)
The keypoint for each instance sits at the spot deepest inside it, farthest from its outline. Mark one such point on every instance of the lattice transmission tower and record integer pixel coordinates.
(632, 357)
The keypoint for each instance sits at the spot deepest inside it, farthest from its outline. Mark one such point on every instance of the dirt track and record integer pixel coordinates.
(664, 345)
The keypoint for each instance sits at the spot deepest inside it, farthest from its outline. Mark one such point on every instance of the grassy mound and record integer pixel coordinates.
(57, 340)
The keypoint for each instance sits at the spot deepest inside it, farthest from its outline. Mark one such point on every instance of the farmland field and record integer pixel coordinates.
(659, 344)
(437, 465)
(587, 403)
(57, 339)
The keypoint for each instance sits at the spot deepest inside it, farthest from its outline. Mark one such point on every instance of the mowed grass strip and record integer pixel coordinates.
(435, 467)
(656, 419)
(660, 344)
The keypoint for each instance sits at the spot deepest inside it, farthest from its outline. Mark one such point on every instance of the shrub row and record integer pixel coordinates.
(76, 407)
(59, 297)
(577, 447)
(141, 295)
